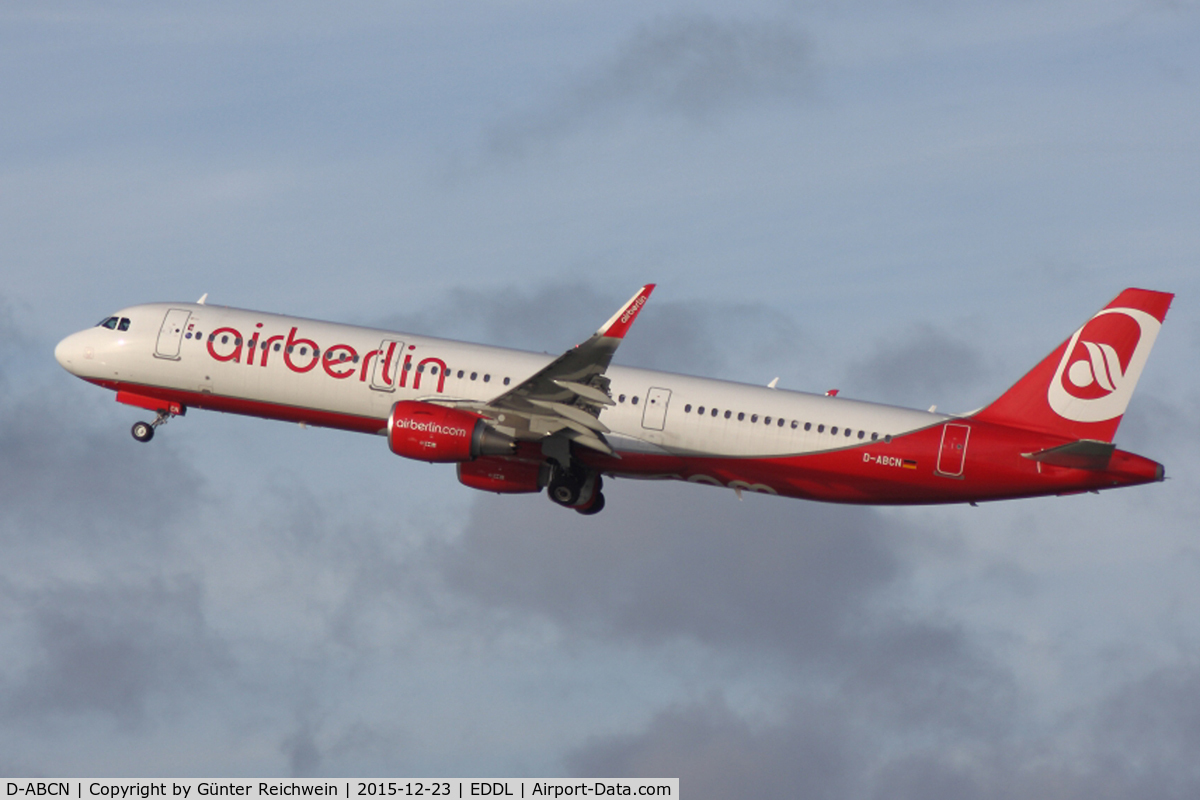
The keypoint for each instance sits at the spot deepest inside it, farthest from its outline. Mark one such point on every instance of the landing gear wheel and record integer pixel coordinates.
(143, 431)
(564, 489)
(596, 506)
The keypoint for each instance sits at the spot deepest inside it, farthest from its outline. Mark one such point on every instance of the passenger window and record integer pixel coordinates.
(766, 420)
(700, 410)
(833, 430)
(123, 325)
(506, 380)
(225, 340)
(728, 414)
(460, 373)
(187, 335)
(634, 400)
(741, 415)
(795, 424)
(808, 426)
(874, 436)
(888, 438)
(620, 398)
(780, 423)
(848, 431)
(474, 375)
(277, 347)
(821, 429)
(754, 417)
(861, 434)
(714, 412)
(486, 377)
(687, 409)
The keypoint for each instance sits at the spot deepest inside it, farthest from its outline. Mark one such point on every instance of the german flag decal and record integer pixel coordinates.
(908, 463)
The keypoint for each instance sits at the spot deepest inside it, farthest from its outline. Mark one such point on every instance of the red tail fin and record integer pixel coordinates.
(1082, 389)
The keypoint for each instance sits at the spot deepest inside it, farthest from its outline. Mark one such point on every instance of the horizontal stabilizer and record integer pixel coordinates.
(1083, 454)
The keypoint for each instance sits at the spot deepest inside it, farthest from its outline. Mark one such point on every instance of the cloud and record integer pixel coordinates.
(110, 648)
(924, 365)
(767, 576)
(718, 754)
(692, 67)
(1139, 742)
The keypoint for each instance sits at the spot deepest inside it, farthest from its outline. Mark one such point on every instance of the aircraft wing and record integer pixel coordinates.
(567, 395)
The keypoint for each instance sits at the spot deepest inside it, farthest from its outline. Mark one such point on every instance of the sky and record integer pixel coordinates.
(912, 202)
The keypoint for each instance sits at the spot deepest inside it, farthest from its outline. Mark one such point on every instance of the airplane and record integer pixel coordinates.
(519, 422)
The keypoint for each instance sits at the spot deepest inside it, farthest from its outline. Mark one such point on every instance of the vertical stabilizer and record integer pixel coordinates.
(1082, 389)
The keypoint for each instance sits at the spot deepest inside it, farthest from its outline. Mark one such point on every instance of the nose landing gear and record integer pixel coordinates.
(144, 431)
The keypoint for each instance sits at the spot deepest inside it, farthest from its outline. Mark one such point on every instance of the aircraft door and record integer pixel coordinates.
(387, 365)
(170, 335)
(655, 415)
(954, 449)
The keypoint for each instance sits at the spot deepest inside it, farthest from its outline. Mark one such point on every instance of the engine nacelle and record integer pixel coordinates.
(428, 432)
(504, 475)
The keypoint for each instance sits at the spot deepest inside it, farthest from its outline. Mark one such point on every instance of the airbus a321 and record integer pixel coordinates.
(515, 421)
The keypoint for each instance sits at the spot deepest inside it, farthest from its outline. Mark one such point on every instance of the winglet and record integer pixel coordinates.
(618, 325)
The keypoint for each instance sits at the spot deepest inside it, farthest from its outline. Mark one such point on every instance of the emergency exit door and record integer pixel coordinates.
(170, 335)
(954, 449)
(655, 415)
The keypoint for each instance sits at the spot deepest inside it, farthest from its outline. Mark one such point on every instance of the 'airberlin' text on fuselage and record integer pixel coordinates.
(339, 361)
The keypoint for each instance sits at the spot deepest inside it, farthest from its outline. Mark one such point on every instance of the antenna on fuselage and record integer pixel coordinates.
(203, 297)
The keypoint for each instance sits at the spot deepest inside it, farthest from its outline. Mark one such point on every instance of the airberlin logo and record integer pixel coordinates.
(1101, 365)
(633, 309)
(430, 427)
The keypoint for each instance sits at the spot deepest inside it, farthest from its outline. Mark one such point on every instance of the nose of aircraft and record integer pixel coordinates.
(69, 351)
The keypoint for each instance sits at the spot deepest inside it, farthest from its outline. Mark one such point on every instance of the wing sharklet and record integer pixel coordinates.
(618, 325)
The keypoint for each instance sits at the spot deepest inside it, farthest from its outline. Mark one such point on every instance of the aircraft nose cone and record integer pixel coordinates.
(68, 350)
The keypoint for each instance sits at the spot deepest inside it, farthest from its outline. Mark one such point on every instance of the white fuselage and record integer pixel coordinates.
(359, 373)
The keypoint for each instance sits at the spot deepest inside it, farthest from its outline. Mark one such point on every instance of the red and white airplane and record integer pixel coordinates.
(516, 422)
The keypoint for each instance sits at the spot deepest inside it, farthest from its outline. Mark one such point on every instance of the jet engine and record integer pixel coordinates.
(428, 432)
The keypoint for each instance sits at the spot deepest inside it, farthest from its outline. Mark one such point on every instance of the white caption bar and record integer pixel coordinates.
(350, 789)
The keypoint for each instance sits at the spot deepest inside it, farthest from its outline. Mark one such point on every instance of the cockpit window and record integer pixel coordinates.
(123, 325)
(110, 323)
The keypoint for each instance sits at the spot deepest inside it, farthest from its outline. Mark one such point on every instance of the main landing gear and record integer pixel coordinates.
(144, 431)
(578, 488)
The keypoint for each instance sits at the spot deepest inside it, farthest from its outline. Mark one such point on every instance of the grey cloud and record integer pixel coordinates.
(923, 366)
(676, 562)
(694, 67)
(300, 747)
(720, 755)
(1139, 742)
(108, 649)
(1150, 732)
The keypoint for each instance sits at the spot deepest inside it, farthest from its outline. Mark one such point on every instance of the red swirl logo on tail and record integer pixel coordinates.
(1101, 365)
